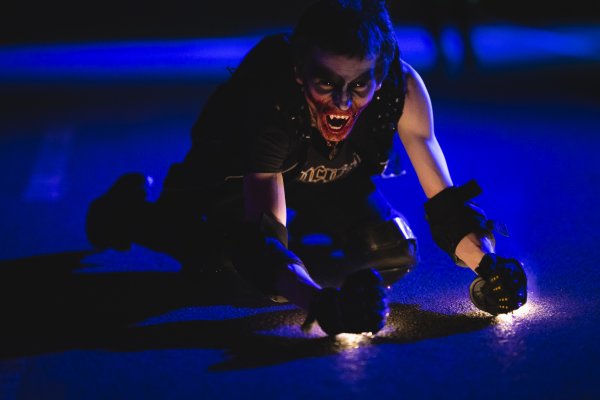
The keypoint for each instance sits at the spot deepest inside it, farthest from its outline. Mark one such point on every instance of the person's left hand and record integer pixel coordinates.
(501, 285)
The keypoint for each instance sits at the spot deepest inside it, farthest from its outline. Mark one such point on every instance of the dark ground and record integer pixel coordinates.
(83, 325)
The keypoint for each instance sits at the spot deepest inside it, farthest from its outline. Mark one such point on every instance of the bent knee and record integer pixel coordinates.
(394, 263)
(389, 247)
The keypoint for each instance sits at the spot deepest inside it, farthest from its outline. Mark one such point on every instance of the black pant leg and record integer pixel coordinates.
(346, 226)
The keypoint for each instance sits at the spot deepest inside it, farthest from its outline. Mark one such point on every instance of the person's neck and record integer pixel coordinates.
(327, 148)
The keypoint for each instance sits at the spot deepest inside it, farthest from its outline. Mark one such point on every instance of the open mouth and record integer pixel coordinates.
(336, 122)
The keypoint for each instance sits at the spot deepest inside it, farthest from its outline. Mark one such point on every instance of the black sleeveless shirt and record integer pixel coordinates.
(258, 121)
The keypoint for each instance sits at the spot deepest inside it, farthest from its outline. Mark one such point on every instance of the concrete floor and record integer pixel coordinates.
(83, 325)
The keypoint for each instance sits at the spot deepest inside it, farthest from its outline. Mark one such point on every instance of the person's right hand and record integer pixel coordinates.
(501, 285)
(359, 306)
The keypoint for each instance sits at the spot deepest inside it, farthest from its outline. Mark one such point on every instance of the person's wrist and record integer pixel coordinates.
(471, 250)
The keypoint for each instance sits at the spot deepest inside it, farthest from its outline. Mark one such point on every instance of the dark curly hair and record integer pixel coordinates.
(353, 28)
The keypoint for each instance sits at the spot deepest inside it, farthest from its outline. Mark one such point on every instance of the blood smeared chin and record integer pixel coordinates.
(335, 125)
(330, 133)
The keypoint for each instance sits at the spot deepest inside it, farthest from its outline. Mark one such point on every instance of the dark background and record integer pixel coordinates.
(79, 324)
(68, 20)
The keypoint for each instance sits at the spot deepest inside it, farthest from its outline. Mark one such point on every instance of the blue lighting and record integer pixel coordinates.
(417, 46)
(317, 239)
(198, 58)
(339, 254)
(453, 46)
(209, 59)
(504, 45)
(157, 60)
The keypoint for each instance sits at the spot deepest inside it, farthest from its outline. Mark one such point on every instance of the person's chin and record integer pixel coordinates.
(334, 136)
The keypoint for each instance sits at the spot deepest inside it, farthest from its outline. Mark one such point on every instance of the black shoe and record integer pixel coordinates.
(111, 217)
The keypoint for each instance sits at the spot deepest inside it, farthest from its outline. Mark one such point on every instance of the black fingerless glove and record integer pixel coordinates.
(360, 306)
(501, 286)
(452, 215)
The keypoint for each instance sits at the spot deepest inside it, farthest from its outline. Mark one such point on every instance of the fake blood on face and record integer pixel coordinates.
(337, 89)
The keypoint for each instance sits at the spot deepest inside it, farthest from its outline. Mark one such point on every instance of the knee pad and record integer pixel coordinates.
(390, 247)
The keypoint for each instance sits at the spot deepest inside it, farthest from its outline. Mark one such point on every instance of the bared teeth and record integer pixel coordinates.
(342, 117)
(336, 122)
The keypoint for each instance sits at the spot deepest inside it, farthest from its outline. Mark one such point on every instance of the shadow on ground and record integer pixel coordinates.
(48, 306)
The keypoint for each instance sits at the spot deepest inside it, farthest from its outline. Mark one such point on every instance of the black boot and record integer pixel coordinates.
(111, 218)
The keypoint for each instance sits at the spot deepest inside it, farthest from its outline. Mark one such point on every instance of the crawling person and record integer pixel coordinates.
(283, 152)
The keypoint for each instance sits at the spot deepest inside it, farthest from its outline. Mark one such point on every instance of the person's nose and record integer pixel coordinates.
(343, 100)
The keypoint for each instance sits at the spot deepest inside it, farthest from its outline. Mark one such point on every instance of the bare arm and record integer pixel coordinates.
(417, 135)
(264, 193)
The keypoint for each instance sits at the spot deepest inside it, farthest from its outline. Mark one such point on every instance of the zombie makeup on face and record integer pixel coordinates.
(337, 89)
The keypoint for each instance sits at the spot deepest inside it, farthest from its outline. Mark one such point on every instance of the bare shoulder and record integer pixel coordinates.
(415, 87)
(417, 115)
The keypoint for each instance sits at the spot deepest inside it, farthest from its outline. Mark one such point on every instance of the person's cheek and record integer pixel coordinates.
(361, 102)
(322, 103)
(314, 96)
(359, 105)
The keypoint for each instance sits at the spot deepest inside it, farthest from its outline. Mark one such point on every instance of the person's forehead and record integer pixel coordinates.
(347, 68)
